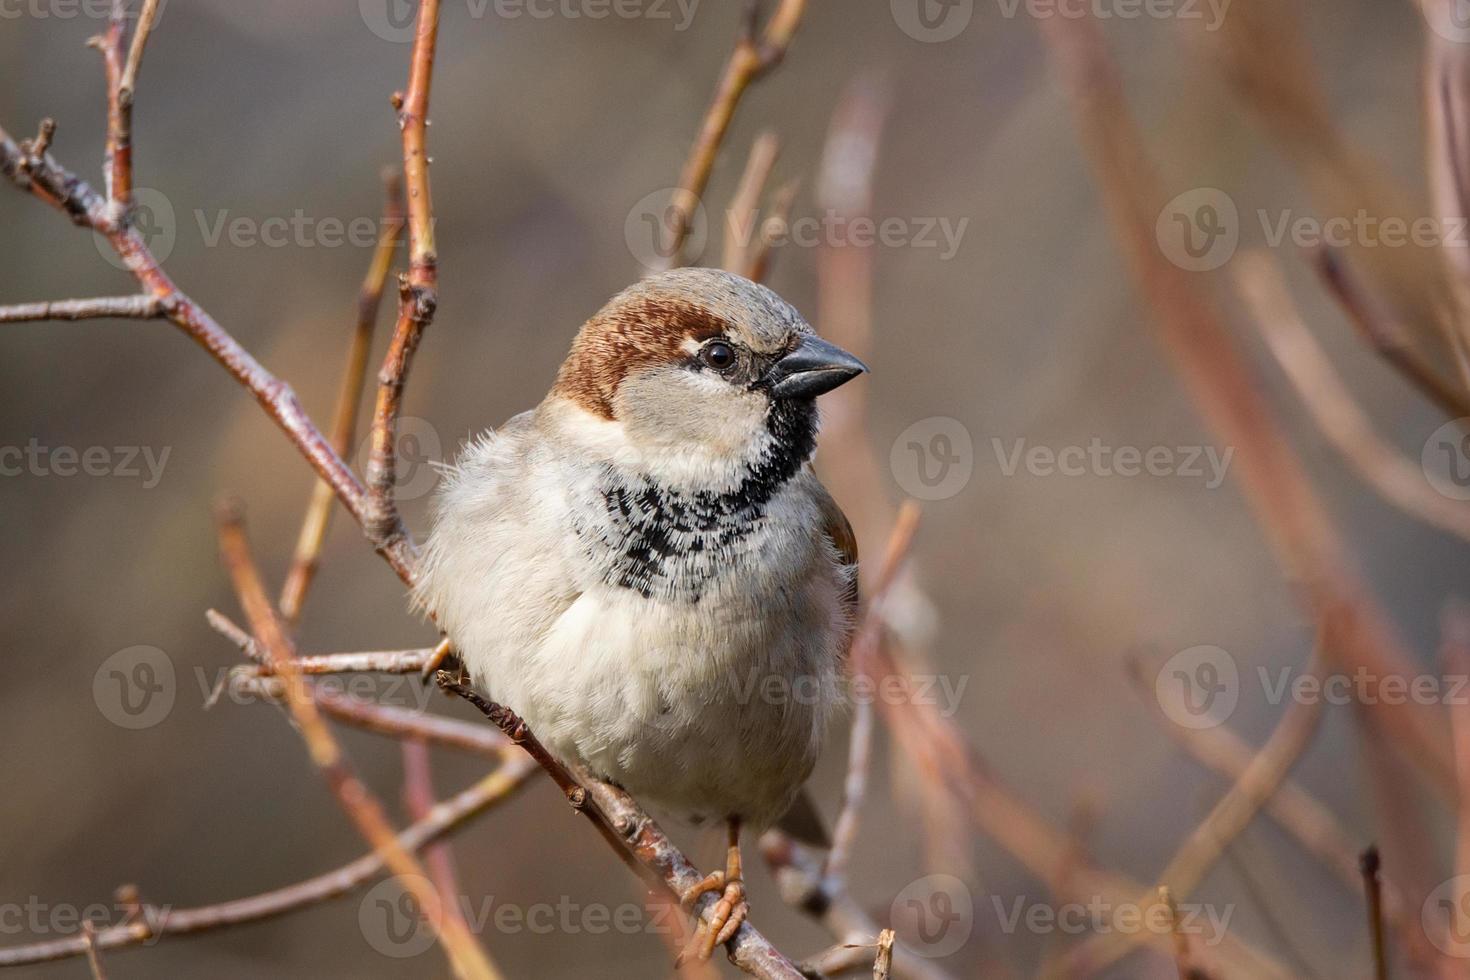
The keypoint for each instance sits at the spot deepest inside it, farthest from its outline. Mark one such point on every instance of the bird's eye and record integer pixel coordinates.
(718, 355)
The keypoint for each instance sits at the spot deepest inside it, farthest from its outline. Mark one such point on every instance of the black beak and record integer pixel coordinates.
(813, 368)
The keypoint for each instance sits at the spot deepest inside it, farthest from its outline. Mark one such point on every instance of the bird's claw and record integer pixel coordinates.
(725, 918)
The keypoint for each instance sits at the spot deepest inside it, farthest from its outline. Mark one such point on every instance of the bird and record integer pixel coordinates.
(646, 568)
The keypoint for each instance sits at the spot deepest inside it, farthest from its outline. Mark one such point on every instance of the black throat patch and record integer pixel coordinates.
(668, 543)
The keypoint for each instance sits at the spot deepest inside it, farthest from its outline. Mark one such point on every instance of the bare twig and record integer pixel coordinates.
(1385, 335)
(883, 962)
(94, 959)
(1373, 890)
(118, 165)
(344, 416)
(370, 662)
(418, 292)
(860, 750)
(1285, 503)
(1332, 406)
(803, 885)
(116, 307)
(366, 813)
(1206, 843)
(419, 799)
(154, 922)
(774, 227)
(129, 81)
(742, 221)
(752, 58)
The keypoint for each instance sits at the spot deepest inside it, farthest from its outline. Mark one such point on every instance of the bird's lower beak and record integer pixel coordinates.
(813, 368)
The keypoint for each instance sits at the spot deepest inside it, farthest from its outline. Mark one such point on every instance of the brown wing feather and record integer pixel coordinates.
(838, 530)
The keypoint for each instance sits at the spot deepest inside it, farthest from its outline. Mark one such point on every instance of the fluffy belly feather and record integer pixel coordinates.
(706, 710)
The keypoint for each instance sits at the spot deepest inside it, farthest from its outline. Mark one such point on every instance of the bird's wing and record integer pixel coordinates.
(838, 530)
(803, 821)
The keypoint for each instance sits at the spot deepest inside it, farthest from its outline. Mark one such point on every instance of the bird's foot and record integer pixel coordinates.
(725, 919)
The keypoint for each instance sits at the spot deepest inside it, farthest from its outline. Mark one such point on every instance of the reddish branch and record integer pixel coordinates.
(344, 417)
(755, 54)
(366, 813)
(114, 307)
(417, 292)
(1356, 631)
(156, 922)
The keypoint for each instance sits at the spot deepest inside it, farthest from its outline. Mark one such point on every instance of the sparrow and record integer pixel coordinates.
(645, 567)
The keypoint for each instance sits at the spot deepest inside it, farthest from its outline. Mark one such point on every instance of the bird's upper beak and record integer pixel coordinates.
(814, 367)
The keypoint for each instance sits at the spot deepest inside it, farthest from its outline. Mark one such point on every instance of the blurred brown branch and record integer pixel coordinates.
(756, 53)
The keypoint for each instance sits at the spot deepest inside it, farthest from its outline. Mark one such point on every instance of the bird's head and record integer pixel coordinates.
(704, 364)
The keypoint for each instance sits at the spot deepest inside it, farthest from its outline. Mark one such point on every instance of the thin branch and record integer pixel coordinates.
(1384, 334)
(419, 799)
(1373, 889)
(803, 885)
(1332, 406)
(418, 294)
(368, 662)
(742, 221)
(364, 810)
(129, 82)
(118, 164)
(774, 227)
(112, 307)
(1286, 505)
(752, 58)
(344, 417)
(155, 922)
(1206, 843)
(860, 750)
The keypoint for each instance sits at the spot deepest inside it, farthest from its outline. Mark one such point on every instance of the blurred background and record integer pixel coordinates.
(260, 129)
